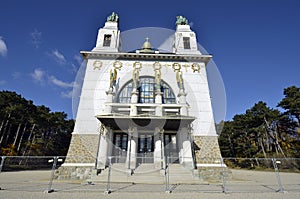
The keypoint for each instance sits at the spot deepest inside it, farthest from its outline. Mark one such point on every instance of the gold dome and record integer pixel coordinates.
(147, 48)
(147, 44)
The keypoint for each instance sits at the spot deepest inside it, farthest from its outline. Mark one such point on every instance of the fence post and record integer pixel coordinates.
(108, 177)
(277, 175)
(50, 189)
(167, 171)
(2, 163)
(224, 189)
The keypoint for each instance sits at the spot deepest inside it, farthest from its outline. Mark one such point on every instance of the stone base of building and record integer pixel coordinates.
(209, 162)
(81, 157)
(207, 150)
(83, 148)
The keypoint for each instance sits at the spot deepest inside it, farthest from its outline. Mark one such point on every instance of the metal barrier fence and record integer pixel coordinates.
(228, 175)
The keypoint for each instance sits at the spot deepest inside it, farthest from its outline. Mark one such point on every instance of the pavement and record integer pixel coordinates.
(242, 184)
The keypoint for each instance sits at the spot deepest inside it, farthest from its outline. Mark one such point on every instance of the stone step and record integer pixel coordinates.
(147, 173)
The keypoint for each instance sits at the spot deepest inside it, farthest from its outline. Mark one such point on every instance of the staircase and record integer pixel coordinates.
(147, 174)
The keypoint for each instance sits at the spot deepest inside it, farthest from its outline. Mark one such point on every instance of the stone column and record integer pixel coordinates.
(131, 148)
(110, 144)
(182, 101)
(103, 148)
(158, 101)
(163, 157)
(134, 100)
(110, 97)
(158, 93)
(179, 141)
(186, 148)
(135, 94)
(158, 148)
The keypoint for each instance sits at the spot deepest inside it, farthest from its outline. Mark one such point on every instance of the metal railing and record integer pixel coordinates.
(227, 175)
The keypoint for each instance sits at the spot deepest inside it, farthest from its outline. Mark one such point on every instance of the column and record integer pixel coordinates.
(182, 102)
(186, 148)
(157, 148)
(131, 148)
(181, 95)
(110, 144)
(134, 100)
(158, 101)
(179, 141)
(163, 157)
(158, 93)
(103, 148)
(135, 93)
(110, 96)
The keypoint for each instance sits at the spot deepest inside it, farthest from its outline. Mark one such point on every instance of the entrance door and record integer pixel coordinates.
(145, 148)
(171, 149)
(120, 147)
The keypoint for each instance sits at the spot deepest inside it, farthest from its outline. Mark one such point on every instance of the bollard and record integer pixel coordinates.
(277, 176)
(224, 189)
(167, 177)
(54, 160)
(108, 191)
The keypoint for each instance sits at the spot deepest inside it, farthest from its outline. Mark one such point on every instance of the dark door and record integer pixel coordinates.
(145, 148)
(120, 147)
(171, 149)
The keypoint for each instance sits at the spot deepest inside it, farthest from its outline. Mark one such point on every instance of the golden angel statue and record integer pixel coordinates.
(179, 79)
(113, 78)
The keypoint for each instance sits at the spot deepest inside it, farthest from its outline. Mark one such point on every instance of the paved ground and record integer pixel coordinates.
(242, 184)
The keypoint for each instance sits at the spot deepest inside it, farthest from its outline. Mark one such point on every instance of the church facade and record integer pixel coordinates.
(144, 107)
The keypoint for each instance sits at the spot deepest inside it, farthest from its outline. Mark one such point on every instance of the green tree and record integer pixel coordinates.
(259, 132)
(291, 102)
(27, 129)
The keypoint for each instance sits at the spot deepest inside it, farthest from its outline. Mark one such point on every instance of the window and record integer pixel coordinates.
(186, 43)
(107, 40)
(146, 89)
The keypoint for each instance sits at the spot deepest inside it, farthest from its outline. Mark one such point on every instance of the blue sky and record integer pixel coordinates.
(255, 44)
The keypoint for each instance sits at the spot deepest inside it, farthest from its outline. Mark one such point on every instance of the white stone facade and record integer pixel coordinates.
(99, 105)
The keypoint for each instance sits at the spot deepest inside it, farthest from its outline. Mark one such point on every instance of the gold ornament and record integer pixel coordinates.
(176, 66)
(117, 65)
(157, 65)
(196, 67)
(97, 65)
(137, 65)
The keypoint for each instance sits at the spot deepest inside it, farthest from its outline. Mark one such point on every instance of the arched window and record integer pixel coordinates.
(146, 90)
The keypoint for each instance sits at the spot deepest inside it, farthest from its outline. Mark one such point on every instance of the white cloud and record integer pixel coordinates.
(60, 83)
(3, 47)
(38, 75)
(75, 66)
(59, 58)
(36, 38)
(67, 94)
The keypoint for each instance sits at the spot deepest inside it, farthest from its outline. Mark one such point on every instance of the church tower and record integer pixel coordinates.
(108, 39)
(143, 108)
(185, 41)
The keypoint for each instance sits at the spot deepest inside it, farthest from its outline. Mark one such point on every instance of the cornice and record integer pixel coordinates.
(145, 56)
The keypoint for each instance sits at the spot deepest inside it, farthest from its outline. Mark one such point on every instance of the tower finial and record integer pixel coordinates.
(113, 17)
(181, 20)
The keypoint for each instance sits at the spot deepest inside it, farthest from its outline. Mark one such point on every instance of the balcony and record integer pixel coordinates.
(165, 116)
(146, 109)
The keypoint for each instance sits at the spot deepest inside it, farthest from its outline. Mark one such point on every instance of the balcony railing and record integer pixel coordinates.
(147, 109)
